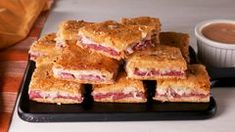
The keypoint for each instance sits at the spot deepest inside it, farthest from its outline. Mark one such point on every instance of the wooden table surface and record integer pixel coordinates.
(13, 61)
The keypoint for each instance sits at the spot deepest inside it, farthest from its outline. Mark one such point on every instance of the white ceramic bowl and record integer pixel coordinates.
(212, 53)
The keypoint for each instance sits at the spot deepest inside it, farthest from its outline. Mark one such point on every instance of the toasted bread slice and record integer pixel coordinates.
(47, 89)
(45, 46)
(179, 40)
(162, 62)
(115, 40)
(145, 21)
(123, 91)
(78, 64)
(46, 60)
(195, 88)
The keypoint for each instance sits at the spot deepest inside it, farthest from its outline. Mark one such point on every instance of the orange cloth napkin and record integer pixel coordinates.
(17, 18)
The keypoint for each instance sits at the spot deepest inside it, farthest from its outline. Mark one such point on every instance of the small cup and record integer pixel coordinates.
(212, 53)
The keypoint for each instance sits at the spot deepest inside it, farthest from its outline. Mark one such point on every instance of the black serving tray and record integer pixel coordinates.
(222, 77)
(91, 111)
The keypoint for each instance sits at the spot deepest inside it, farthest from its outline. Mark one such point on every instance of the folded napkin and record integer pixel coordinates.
(17, 18)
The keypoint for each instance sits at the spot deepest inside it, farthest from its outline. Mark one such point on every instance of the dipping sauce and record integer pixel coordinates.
(220, 32)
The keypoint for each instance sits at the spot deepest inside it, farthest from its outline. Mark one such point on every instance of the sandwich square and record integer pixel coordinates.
(115, 40)
(123, 91)
(68, 31)
(195, 88)
(145, 21)
(45, 88)
(179, 40)
(161, 62)
(83, 66)
(45, 46)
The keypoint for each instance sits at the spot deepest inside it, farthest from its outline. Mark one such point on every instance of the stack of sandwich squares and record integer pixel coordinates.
(115, 57)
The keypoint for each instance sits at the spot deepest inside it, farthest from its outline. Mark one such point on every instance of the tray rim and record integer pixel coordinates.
(121, 116)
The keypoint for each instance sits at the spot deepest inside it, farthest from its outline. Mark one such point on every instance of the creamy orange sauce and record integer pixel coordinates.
(220, 32)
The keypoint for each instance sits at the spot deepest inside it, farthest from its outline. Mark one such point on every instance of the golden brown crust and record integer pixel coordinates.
(183, 99)
(121, 83)
(179, 40)
(114, 35)
(159, 58)
(133, 76)
(76, 58)
(43, 80)
(124, 100)
(110, 81)
(143, 20)
(45, 45)
(46, 60)
(68, 30)
(57, 101)
(197, 79)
